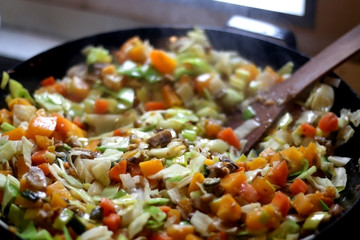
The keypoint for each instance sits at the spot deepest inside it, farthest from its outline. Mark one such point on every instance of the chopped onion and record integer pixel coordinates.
(244, 129)
(137, 225)
(340, 178)
(172, 171)
(201, 222)
(339, 161)
(97, 233)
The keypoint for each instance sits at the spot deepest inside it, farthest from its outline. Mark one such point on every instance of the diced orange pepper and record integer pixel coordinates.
(41, 125)
(197, 178)
(15, 134)
(117, 169)
(66, 128)
(48, 81)
(151, 167)
(278, 174)
(256, 163)
(229, 136)
(21, 166)
(162, 61)
(229, 209)
(302, 204)
(232, 182)
(58, 188)
(109, 69)
(179, 232)
(57, 201)
(170, 97)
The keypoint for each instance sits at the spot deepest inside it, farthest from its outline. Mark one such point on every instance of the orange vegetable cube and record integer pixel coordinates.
(232, 182)
(41, 125)
(229, 209)
(179, 232)
(302, 204)
(151, 167)
(197, 178)
(162, 61)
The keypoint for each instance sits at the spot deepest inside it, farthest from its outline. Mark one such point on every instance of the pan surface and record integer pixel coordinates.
(58, 60)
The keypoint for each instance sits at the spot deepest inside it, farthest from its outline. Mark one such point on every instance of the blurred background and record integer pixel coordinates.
(29, 27)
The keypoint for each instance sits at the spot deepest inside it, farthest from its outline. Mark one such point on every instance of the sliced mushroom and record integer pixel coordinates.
(160, 139)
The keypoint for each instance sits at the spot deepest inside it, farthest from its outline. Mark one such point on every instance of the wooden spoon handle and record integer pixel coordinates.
(283, 94)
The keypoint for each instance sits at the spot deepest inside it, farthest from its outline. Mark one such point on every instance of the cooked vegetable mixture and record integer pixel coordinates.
(133, 144)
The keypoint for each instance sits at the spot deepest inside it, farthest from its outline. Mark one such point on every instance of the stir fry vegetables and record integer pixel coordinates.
(133, 144)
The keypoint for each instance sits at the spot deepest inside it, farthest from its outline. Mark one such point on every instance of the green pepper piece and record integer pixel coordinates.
(156, 213)
(11, 191)
(285, 228)
(7, 126)
(189, 134)
(232, 97)
(17, 90)
(248, 113)
(160, 201)
(127, 96)
(64, 217)
(4, 80)
(313, 221)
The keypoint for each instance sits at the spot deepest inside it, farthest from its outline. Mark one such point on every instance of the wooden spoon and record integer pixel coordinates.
(270, 105)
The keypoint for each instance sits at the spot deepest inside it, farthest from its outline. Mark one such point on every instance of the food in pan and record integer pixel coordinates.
(133, 144)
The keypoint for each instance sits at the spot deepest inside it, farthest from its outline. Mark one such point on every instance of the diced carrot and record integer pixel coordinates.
(117, 169)
(101, 106)
(249, 193)
(162, 61)
(15, 134)
(281, 202)
(232, 182)
(170, 97)
(42, 156)
(57, 201)
(44, 167)
(165, 209)
(120, 132)
(66, 128)
(278, 174)
(307, 129)
(229, 209)
(298, 186)
(229, 136)
(154, 105)
(150, 167)
(328, 122)
(107, 206)
(302, 204)
(212, 128)
(179, 231)
(48, 81)
(112, 221)
(197, 178)
(41, 125)
(58, 188)
(21, 167)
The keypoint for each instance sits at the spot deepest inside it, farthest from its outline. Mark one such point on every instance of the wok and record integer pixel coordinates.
(55, 62)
